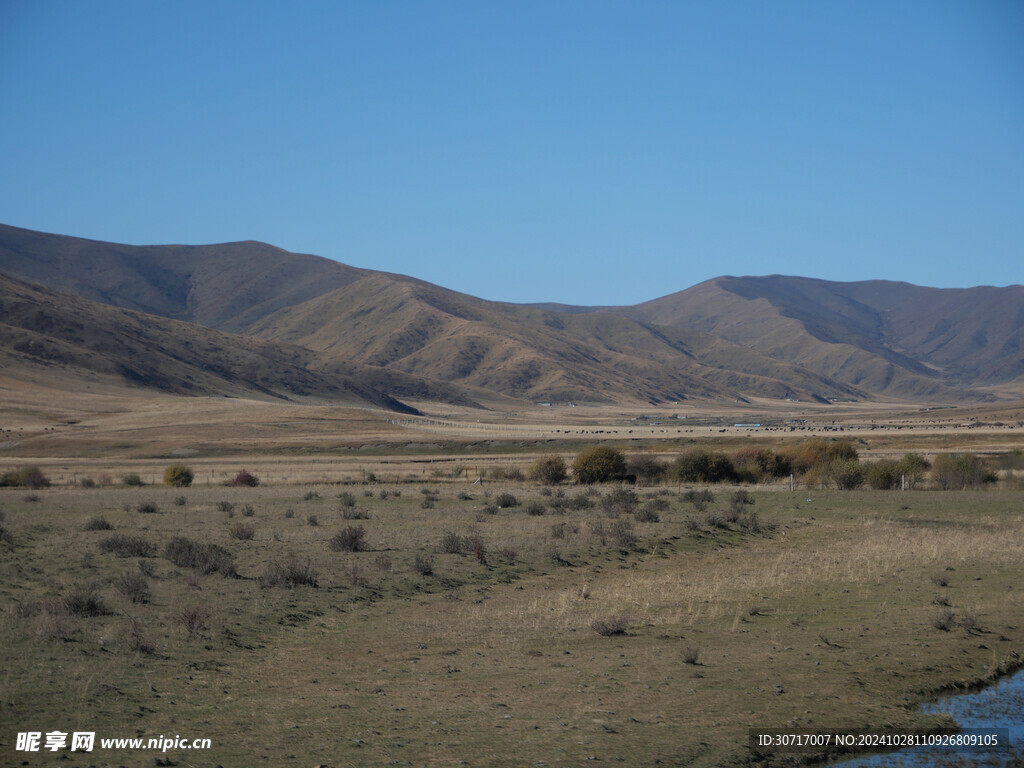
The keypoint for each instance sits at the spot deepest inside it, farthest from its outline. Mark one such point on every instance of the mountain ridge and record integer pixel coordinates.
(729, 337)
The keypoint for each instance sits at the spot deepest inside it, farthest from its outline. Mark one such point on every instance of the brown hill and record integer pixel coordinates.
(58, 337)
(885, 337)
(726, 338)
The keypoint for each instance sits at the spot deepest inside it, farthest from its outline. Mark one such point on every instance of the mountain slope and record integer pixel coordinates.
(726, 338)
(890, 338)
(69, 337)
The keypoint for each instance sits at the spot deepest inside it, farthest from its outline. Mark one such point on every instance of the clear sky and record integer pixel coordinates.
(587, 152)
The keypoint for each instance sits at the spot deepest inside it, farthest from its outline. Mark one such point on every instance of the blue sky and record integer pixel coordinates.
(587, 152)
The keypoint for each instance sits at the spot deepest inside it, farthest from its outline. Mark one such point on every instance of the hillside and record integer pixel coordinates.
(891, 338)
(64, 338)
(728, 338)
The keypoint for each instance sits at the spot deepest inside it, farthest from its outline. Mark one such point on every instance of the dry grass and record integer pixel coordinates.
(431, 649)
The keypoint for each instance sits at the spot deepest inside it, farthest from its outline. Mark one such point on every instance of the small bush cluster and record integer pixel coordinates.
(98, 523)
(178, 476)
(506, 500)
(609, 626)
(201, 558)
(350, 539)
(124, 545)
(242, 531)
(549, 470)
(134, 586)
(83, 600)
(244, 479)
(289, 574)
(132, 480)
(599, 464)
(26, 477)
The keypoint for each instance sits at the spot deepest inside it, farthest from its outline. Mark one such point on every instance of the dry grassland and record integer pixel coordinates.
(822, 616)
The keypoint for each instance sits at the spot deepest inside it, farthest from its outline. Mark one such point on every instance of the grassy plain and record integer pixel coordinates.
(825, 615)
(467, 634)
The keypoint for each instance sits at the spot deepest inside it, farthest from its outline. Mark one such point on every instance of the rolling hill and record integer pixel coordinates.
(776, 337)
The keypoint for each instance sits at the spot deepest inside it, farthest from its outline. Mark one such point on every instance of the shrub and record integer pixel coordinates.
(350, 539)
(504, 500)
(195, 620)
(648, 513)
(644, 467)
(242, 531)
(83, 600)
(87, 482)
(609, 626)
(549, 470)
(755, 464)
(245, 479)
(423, 565)
(147, 508)
(564, 530)
(847, 474)
(98, 523)
(535, 508)
(883, 475)
(134, 586)
(751, 523)
(741, 497)
(202, 558)
(913, 467)
(507, 473)
(427, 503)
(579, 502)
(453, 544)
(180, 501)
(621, 532)
(26, 477)
(248, 511)
(957, 471)
(819, 452)
(619, 501)
(178, 476)
(691, 655)
(599, 464)
(944, 621)
(699, 466)
(289, 574)
(313, 521)
(351, 513)
(132, 480)
(347, 499)
(123, 545)
(225, 506)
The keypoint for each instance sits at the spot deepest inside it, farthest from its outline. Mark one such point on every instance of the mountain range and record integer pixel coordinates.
(250, 319)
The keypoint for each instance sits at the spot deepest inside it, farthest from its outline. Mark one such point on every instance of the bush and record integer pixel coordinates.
(242, 531)
(883, 475)
(347, 499)
(609, 626)
(98, 523)
(913, 467)
(536, 509)
(549, 470)
(245, 479)
(202, 558)
(454, 544)
(289, 574)
(178, 476)
(180, 501)
(847, 474)
(648, 513)
(134, 586)
(84, 600)
(645, 467)
(423, 565)
(818, 452)
(132, 480)
(599, 464)
(619, 502)
(756, 464)
(127, 546)
(621, 532)
(350, 539)
(699, 466)
(26, 477)
(957, 471)
(504, 500)
(147, 508)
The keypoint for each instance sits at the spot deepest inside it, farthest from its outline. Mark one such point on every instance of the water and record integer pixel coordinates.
(998, 706)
